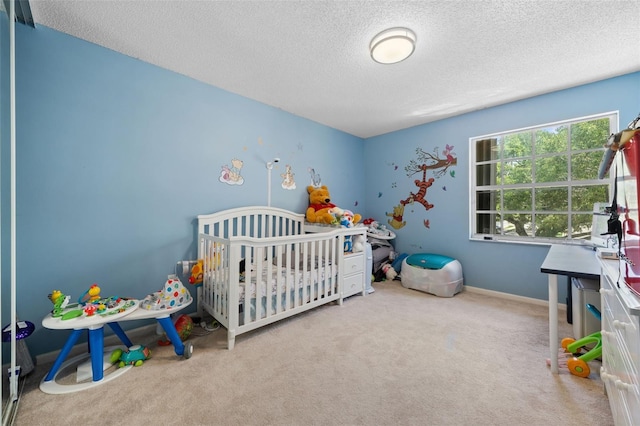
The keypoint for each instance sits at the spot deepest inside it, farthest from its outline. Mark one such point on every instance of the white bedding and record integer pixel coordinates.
(282, 276)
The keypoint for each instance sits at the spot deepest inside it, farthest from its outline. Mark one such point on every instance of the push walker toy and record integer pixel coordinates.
(577, 364)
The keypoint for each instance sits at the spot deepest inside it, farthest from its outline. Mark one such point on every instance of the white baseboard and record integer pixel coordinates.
(508, 296)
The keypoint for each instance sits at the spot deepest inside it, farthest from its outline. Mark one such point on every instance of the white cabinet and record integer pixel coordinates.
(620, 345)
(352, 265)
(353, 274)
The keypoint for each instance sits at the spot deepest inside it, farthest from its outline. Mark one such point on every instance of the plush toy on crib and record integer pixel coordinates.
(196, 273)
(321, 209)
(358, 243)
(346, 223)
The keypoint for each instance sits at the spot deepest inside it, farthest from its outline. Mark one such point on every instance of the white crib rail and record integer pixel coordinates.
(252, 221)
(283, 276)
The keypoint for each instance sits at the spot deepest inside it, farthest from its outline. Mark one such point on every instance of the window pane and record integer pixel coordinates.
(517, 171)
(551, 140)
(585, 165)
(487, 150)
(517, 145)
(488, 223)
(583, 197)
(517, 199)
(581, 226)
(552, 225)
(487, 200)
(517, 225)
(552, 169)
(539, 182)
(486, 174)
(589, 134)
(552, 199)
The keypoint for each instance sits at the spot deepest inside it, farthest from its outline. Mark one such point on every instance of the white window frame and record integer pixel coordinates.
(473, 187)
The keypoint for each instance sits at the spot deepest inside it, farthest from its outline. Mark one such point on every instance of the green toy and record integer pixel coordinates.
(577, 365)
(135, 355)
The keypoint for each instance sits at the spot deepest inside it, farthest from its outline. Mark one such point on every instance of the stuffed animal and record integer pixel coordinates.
(358, 243)
(320, 205)
(197, 273)
(345, 222)
(389, 272)
(322, 210)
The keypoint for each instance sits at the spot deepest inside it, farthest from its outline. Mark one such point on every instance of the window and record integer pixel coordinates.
(539, 184)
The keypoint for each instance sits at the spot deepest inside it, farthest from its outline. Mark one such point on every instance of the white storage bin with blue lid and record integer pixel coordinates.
(432, 273)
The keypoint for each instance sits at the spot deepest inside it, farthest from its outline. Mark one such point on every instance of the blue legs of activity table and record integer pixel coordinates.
(63, 354)
(172, 334)
(120, 333)
(96, 346)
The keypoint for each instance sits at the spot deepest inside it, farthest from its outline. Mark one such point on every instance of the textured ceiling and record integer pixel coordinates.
(311, 58)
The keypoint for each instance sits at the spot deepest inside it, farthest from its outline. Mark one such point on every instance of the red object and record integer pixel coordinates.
(184, 327)
(628, 196)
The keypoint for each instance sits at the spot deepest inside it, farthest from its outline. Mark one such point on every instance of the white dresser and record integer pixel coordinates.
(352, 265)
(620, 345)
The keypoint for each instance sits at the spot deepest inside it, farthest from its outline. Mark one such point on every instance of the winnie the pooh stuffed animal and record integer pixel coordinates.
(321, 209)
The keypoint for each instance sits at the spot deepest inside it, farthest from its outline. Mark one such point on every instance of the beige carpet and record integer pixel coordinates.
(395, 357)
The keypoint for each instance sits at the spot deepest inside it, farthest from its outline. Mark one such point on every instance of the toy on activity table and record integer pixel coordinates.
(576, 361)
(92, 295)
(89, 304)
(172, 295)
(135, 355)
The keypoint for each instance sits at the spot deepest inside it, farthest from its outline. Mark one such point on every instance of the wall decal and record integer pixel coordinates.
(287, 178)
(396, 217)
(315, 178)
(438, 162)
(420, 196)
(449, 153)
(231, 175)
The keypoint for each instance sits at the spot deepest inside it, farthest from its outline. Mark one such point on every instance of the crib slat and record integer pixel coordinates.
(280, 280)
(288, 280)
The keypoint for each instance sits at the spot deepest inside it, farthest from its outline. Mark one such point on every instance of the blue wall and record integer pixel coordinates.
(510, 268)
(116, 157)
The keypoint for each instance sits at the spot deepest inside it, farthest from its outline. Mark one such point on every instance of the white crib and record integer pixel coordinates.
(260, 267)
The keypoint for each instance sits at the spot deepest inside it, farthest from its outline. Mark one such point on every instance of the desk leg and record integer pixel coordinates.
(553, 322)
(96, 343)
(63, 354)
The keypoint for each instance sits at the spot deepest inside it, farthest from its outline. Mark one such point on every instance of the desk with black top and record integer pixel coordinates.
(572, 261)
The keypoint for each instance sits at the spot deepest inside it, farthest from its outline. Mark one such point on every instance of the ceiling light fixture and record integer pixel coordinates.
(393, 45)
